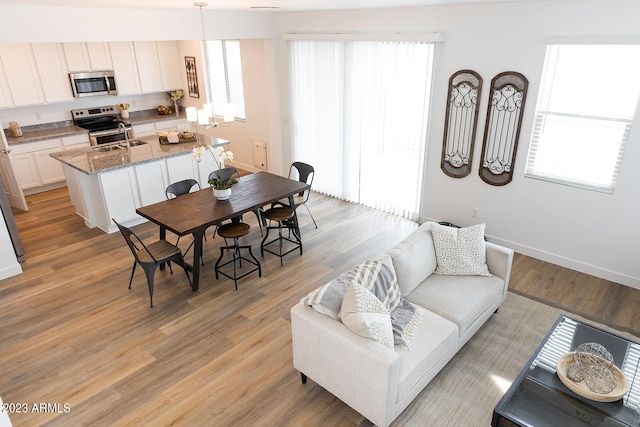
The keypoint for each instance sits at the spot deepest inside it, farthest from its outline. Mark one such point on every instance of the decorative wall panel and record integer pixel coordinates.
(502, 129)
(460, 123)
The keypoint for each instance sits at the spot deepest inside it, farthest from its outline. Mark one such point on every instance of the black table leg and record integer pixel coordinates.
(163, 236)
(296, 225)
(197, 256)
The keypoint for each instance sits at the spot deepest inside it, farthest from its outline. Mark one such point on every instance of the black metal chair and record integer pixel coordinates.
(178, 189)
(285, 219)
(151, 256)
(235, 231)
(225, 173)
(305, 173)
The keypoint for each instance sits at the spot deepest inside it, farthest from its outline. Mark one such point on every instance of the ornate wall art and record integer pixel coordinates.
(460, 123)
(192, 76)
(502, 129)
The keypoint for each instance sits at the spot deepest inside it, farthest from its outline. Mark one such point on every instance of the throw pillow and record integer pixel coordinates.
(378, 276)
(366, 315)
(460, 251)
(327, 299)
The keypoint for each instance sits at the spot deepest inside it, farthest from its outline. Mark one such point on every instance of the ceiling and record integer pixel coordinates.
(268, 5)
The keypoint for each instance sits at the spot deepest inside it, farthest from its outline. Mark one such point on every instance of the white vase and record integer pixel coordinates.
(222, 194)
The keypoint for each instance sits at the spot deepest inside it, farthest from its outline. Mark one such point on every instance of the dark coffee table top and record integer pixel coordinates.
(538, 397)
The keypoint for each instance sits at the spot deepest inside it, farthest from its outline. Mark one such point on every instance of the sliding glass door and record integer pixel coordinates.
(359, 115)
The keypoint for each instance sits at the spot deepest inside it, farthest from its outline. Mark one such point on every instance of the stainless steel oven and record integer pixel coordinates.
(103, 123)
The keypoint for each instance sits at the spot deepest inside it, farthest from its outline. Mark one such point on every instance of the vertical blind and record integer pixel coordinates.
(586, 105)
(359, 115)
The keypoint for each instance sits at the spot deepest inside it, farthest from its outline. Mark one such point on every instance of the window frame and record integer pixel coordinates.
(219, 69)
(543, 114)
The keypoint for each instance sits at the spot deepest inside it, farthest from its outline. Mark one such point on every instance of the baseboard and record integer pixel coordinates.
(582, 267)
(10, 271)
(572, 264)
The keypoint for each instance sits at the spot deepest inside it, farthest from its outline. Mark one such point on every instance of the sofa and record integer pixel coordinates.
(450, 281)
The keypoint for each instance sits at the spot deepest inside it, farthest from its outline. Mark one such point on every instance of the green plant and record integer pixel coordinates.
(219, 156)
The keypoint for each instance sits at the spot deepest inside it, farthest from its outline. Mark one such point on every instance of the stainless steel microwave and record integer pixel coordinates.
(92, 83)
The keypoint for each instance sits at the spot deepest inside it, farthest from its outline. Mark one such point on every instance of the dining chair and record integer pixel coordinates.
(305, 173)
(178, 189)
(234, 231)
(231, 172)
(151, 256)
(284, 218)
(225, 173)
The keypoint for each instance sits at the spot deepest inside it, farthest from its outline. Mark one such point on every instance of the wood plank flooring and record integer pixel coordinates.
(72, 333)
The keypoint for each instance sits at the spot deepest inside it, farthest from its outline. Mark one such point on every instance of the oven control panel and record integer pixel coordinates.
(84, 113)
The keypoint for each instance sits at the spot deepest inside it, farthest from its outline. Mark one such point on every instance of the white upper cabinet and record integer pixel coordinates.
(123, 57)
(54, 74)
(88, 56)
(171, 66)
(5, 90)
(148, 62)
(21, 74)
(99, 56)
(158, 66)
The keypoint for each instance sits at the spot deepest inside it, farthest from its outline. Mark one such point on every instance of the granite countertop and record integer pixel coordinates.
(92, 162)
(67, 128)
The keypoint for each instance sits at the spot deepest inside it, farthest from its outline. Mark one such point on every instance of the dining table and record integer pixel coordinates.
(194, 212)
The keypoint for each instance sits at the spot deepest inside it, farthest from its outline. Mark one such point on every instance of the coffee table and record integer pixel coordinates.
(538, 398)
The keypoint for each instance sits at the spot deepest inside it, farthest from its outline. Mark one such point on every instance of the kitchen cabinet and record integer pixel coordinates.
(123, 57)
(5, 89)
(175, 125)
(35, 170)
(87, 56)
(53, 71)
(148, 63)
(76, 141)
(158, 66)
(144, 129)
(170, 65)
(21, 74)
(26, 170)
(100, 196)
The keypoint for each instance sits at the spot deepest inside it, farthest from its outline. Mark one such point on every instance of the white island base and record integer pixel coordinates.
(117, 192)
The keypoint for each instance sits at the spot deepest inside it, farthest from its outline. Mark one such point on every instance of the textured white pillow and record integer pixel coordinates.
(366, 315)
(460, 251)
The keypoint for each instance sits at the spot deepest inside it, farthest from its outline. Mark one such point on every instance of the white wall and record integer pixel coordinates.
(587, 231)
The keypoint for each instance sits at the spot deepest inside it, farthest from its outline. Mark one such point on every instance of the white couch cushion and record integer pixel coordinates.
(435, 338)
(460, 251)
(366, 315)
(460, 299)
(414, 258)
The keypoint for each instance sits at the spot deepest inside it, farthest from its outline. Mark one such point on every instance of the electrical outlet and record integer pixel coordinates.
(475, 212)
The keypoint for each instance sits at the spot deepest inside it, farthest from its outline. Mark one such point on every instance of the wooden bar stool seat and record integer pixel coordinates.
(235, 231)
(284, 216)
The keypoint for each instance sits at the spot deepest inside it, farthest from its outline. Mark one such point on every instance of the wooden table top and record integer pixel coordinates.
(190, 212)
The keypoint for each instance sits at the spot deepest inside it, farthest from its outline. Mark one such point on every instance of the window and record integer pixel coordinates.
(359, 115)
(225, 74)
(587, 102)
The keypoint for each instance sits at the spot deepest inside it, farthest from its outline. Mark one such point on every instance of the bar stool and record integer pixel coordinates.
(284, 216)
(235, 231)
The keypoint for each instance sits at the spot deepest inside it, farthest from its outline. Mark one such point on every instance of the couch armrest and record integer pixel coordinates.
(359, 371)
(499, 260)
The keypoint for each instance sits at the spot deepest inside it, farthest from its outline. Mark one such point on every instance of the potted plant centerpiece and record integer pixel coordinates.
(221, 186)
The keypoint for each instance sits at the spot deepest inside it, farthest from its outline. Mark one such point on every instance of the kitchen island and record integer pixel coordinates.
(105, 184)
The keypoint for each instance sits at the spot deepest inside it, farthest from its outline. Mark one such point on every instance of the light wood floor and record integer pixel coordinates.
(72, 333)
